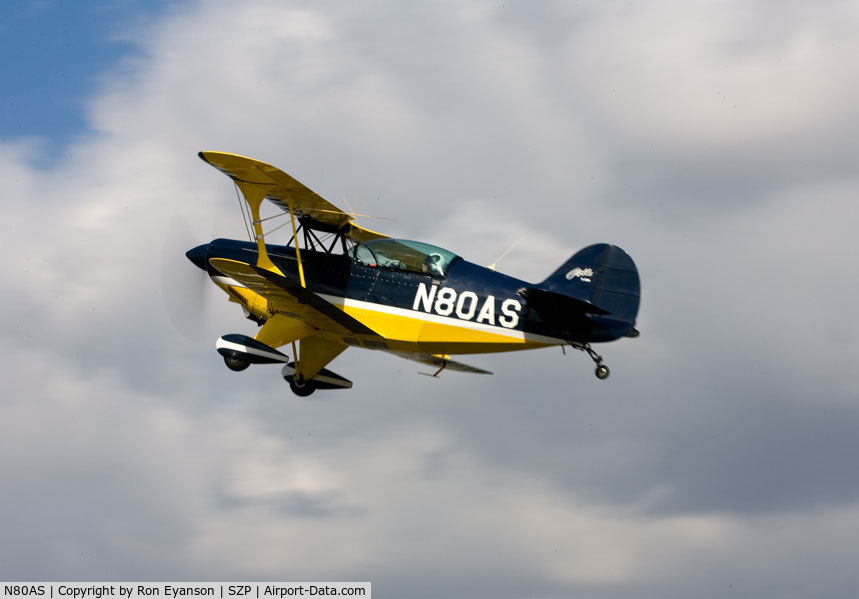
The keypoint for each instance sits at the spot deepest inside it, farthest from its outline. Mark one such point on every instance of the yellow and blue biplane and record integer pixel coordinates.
(336, 285)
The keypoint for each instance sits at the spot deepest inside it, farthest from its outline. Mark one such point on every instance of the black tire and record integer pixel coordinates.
(602, 372)
(236, 364)
(302, 389)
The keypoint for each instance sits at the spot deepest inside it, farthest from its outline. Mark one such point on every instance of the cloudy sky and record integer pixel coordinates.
(716, 141)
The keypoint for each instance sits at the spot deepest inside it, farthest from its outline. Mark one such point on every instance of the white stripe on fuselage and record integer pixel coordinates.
(342, 302)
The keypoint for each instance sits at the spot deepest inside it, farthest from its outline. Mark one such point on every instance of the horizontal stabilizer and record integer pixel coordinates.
(440, 361)
(545, 301)
(566, 314)
(324, 379)
(241, 346)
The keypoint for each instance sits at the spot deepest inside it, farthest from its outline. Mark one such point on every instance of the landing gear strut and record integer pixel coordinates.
(601, 370)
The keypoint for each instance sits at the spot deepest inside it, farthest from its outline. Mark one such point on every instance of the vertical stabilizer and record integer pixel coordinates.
(603, 275)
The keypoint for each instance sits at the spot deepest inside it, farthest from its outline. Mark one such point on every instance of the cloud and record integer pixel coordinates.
(710, 78)
(120, 483)
(723, 435)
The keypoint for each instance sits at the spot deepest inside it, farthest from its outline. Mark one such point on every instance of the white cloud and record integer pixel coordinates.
(115, 476)
(717, 74)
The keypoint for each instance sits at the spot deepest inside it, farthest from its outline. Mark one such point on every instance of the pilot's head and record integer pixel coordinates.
(431, 264)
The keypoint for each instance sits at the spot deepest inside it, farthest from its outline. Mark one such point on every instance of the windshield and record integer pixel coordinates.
(405, 255)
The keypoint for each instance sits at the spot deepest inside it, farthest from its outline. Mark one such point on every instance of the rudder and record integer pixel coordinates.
(603, 275)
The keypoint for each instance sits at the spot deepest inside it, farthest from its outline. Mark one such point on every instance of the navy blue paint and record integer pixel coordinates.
(616, 287)
(601, 310)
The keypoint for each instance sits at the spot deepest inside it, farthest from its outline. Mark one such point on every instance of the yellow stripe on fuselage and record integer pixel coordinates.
(411, 330)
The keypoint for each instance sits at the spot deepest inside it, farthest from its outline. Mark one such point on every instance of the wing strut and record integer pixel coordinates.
(297, 253)
(255, 193)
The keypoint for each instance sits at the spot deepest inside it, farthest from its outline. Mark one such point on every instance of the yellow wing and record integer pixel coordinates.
(291, 299)
(305, 201)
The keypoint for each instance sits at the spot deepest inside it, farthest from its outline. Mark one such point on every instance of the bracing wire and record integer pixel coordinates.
(280, 226)
(245, 217)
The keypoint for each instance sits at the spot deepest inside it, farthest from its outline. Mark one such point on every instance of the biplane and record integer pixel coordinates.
(336, 285)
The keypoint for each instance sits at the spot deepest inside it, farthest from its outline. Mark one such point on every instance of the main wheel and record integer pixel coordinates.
(235, 363)
(602, 371)
(302, 389)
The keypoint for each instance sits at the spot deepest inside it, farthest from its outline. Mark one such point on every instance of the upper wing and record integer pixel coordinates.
(289, 298)
(305, 202)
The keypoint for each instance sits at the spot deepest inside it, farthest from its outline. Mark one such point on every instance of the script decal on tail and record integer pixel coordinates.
(584, 274)
(466, 305)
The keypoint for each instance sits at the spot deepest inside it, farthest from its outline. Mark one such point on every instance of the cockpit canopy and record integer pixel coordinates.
(404, 255)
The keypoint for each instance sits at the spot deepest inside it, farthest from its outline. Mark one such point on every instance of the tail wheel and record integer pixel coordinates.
(302, 389)
(602, 370)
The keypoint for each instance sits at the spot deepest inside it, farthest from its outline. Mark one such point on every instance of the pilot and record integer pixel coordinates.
(432, 265)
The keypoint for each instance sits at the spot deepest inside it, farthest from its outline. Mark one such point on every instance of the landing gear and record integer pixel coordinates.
(324, 379)
(302, 389)
(235, 363)
(601, 370)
